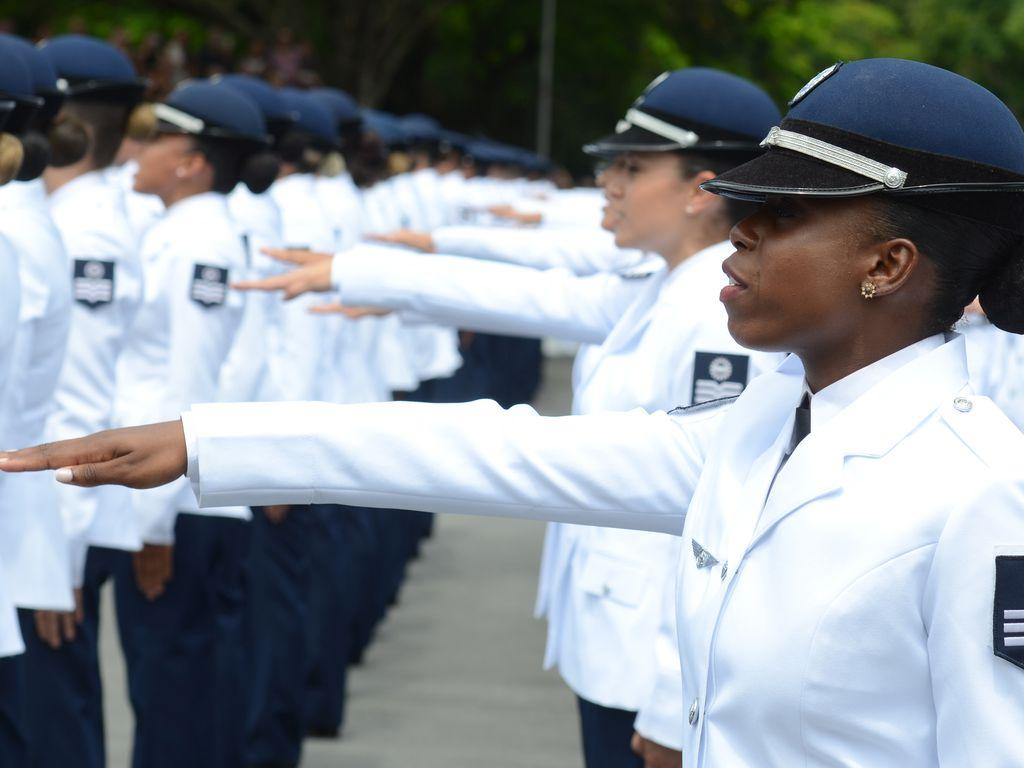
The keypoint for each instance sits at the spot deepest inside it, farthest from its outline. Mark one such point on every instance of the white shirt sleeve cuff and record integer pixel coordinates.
(191, 450)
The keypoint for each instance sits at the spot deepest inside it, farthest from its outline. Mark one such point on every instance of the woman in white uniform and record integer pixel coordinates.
(182, 609)
(655, 340)
(853, 577)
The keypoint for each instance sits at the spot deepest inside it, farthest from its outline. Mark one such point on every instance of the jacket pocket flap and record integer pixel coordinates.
(607, 577)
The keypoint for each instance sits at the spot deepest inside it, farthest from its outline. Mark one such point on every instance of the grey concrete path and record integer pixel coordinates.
(454, 678)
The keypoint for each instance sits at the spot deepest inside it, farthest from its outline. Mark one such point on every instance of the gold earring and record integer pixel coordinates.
(867, 289)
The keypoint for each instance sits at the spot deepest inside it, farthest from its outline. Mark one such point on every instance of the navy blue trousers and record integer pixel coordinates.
(13, 727)
(339, 576)
(607, 734)
(186, 651)
(64, 698)
(280, 574)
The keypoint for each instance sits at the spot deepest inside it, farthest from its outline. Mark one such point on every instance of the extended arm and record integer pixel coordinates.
(484, 296)
(630, 470)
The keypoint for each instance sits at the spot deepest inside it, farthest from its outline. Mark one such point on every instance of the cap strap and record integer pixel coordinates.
(185, 121)
(891, 177)
(680, 136)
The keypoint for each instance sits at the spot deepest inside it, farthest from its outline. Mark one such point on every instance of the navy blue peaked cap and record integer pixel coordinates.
(41, 71)
(894, 127)
(311, 117)
(455, 140)
(44, 78)
(214, 110)
(269, 101)
(698, 109)
(420, 128)
(387, 127)
(343, 108)
(16, 88)
(87, 67)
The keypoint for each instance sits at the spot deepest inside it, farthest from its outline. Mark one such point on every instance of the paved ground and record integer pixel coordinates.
(454, 679)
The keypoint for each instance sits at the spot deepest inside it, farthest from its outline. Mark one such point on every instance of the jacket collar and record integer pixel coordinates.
(871, 426)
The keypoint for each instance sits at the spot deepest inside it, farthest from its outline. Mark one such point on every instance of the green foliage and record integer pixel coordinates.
(473, 63)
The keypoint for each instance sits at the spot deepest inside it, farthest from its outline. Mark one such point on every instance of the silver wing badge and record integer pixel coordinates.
(704, 558)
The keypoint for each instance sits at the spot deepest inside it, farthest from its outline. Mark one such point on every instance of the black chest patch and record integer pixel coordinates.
(209, 285)
(717, 375)
(92, 282)
(1008, 618)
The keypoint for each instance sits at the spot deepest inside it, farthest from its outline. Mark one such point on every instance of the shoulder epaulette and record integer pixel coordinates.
(707, 405)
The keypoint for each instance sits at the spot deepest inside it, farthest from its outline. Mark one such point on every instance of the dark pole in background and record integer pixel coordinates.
(547, 67)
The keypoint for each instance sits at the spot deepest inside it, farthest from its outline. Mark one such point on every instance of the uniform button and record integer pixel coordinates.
(606, 590)
(694, 713)
(725, 569)
(962, 404)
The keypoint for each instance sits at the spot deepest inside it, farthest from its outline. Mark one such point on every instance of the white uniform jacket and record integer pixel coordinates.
(181, 337)
(851, 615)
(663, 342)
(33, 545)
(995, 359)
(581, 250)
(300, 346)
(10, 292)
(106, 287)
(246, 372)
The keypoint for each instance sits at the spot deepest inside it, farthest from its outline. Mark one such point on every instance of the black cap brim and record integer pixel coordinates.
(633, 139)
(780, 172)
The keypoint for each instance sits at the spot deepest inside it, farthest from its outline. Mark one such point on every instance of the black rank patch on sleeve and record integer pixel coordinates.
(1008, 618)
(209, 285)
(92, 282)
(717, 375)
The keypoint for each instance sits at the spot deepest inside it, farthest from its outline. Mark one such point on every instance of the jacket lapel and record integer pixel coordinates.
(870, 426)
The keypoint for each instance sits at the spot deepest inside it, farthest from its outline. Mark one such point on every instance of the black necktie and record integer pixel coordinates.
(802, 422)
(801, 429)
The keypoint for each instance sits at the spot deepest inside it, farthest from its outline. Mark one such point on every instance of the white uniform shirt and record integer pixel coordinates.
(33, 545)
(181, 337)
(106, 280)
(10, 292)
(844, 618)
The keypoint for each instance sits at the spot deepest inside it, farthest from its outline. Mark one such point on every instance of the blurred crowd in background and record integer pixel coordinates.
(168, 59)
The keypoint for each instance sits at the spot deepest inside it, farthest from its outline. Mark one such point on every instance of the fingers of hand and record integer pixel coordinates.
(100, 447)
(153, 569)
(46, 628)
(68, 626)
(296, 255)
(79, 607)
(637, 744)
(330, 309)
(275, 283)
(97, 473)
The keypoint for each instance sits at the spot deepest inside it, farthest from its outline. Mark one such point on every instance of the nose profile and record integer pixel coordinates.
(743, 234)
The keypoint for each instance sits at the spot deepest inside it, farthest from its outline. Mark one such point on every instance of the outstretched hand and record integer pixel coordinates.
(300, 256)
(410, 238)
(510, 213)
(314, 276)
(352, 313)
(135, 457)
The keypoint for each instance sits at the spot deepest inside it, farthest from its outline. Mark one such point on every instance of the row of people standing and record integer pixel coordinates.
(851, 578)
(644, 305)
(126, 227)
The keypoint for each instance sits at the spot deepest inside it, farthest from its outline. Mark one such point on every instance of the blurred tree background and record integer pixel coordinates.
(473, 64)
